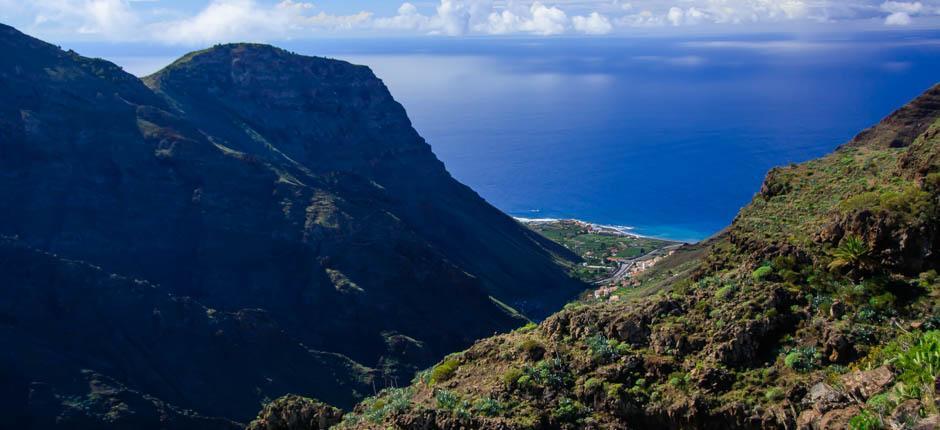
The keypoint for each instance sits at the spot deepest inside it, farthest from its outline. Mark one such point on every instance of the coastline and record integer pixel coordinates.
(616, 230)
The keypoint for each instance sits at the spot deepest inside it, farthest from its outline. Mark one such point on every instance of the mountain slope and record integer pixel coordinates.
(819, 307)
(246, 177)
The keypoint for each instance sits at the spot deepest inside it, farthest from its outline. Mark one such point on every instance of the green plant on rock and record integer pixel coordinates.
(866, 420)
(511, 377)
(762, 273)
(568, 411)
(919, 365)
(450, 401)
(802, 358)
(852, 254)
(489, 407)
(444, 371)
(774, 394)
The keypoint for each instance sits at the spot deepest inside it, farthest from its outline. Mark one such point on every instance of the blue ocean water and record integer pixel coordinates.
(669, 136)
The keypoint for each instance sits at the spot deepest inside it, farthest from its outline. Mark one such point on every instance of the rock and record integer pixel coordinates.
(838, 346)
(807, 419)
(837, 419)
(712, 378)
(836, 309)
(906, 413)
(928, 423)
(864, 384)
(293, 412)
(823, 397)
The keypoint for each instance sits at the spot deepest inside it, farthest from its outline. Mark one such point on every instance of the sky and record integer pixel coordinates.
(201, 22)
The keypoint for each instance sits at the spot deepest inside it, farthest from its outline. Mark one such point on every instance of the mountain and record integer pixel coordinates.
(163, 238)
(818, 308)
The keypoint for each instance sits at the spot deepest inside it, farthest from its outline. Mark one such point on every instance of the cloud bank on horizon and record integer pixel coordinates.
(169, 21)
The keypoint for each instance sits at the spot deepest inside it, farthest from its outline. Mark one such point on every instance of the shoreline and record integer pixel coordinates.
(599, 228)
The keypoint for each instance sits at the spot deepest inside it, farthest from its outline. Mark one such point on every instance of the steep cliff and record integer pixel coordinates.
(247, 177)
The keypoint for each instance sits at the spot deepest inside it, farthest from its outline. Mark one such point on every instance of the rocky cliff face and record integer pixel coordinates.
(245, 177)
(816, 309)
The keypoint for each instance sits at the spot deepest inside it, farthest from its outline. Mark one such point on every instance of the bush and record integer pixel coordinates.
(568, 411)
(865, 420)
(489, 407)
(725, 293)
(601, 348)
(919, 365)
(546, 373)
(762, 273)
(852, 253)
(802, 359)
(528, 327)
(774, 394)
(444, 371)
(532, 349)
(511, 377)
(446, 399)
(375, 409)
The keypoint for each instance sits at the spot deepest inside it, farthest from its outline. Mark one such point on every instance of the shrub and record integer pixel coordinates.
(725, 293)
(802, 359)
(528, 327)
(511, 377)
(546, 373)
(489, 407)
(774, 394)
(447, 400)
(852, 253)
(532, 349)
(882, 302)
(568, 411)
(391, 400)
(601, 348)
(593, 384)
(919, 365)
(762, 273)
(865, 420)
(444, 371)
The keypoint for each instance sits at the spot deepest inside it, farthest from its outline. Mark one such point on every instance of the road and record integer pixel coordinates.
(625, 266)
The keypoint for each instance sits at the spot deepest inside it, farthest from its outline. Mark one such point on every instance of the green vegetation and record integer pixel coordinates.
(852, 253)
(802, 359)
(444, 371)
(596, 247)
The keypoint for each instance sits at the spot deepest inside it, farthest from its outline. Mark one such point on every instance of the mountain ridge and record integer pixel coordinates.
(297, 187)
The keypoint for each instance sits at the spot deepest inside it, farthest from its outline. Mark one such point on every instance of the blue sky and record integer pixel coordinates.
(179, 22)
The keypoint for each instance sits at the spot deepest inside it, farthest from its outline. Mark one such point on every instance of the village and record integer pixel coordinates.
(612, 256)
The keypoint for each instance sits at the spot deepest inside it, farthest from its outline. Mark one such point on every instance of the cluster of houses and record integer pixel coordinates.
(629, 280)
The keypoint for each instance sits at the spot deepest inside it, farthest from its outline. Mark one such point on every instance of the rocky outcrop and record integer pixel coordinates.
(294, 412)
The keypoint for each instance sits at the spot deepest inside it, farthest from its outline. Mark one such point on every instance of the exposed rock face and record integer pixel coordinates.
(246, 177)
(293, 412)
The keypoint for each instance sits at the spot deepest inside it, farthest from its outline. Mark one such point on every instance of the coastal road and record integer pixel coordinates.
(625, 266)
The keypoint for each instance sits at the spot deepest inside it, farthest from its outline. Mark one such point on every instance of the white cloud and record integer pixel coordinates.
(900, 12)
(263, 20)
(108, 19)
(898, 18)
(594, 23)
(234, 20)
(909, 8)
(408, 18)
(461, 17)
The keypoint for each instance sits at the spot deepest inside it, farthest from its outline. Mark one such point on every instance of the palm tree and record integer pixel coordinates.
(852, 253)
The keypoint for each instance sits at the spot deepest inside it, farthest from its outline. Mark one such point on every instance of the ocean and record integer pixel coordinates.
(666, 136)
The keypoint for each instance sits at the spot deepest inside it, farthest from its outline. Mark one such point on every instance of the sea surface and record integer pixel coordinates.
(668, 136)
